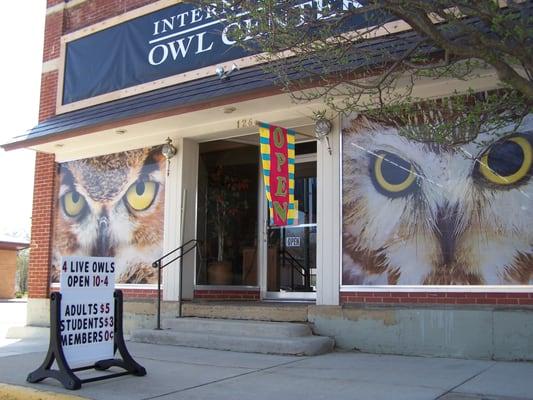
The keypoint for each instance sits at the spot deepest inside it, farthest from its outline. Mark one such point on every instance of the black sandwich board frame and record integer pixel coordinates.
(64, 373)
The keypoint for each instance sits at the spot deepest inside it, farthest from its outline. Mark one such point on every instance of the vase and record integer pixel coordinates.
(220, 273)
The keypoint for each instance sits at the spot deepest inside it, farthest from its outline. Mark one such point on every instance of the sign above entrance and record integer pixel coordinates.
(277, 154)
(157, 45)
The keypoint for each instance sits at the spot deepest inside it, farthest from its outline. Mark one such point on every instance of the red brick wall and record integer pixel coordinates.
(437, 298)
(86, 13)
(93, 11)
(53, 29)
(41, 229)
(140, 293)
(45, 170)
(50, 3)
(226, 294)
(131, 293)
(47, 107)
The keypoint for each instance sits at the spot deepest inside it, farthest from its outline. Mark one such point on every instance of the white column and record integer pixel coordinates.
(188, 203)
(180, 202)
(329, 219)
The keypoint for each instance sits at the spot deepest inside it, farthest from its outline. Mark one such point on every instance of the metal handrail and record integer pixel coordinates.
(296, 266)
(158, 264)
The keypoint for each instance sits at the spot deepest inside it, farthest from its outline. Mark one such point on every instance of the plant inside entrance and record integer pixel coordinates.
(227, 212)
(226, 202)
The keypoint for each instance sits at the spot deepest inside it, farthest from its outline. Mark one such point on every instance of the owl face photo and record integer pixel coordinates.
(422, 213)
(112, 206)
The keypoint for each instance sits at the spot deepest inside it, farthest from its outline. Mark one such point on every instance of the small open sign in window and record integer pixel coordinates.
(292, 241)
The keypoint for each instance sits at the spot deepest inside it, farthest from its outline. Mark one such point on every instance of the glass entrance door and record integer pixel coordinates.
(291, 250)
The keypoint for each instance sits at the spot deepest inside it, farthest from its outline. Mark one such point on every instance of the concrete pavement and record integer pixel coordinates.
(187, 373)
(13, 315)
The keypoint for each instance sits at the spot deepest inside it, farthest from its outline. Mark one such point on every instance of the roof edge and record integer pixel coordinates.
(28, 141)
(4, 245)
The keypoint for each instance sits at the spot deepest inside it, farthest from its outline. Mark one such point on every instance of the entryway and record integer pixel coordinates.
(240, 249)
(291, 250)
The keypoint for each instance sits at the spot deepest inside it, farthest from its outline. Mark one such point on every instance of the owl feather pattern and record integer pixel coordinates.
(112, 206)
(416, 213)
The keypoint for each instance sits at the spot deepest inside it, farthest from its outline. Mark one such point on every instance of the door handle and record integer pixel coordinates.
(265, 232)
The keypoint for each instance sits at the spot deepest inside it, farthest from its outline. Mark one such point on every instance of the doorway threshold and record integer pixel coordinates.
(289, 300)
(262, 310)
(286, 296)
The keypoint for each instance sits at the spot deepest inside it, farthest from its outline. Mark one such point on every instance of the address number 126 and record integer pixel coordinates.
(245, 123)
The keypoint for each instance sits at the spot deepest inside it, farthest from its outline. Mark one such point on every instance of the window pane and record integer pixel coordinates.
(227, 213)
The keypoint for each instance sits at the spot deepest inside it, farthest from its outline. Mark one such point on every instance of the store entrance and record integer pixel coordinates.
(291, 250)
(239, 249)
(227, 213)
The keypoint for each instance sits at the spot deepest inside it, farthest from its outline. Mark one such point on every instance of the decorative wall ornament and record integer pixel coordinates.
(168, 150)
(323, 128)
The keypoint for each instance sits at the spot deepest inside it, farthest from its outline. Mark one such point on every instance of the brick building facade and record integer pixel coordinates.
(197, 125)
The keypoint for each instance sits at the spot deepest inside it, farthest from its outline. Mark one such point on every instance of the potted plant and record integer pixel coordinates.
(226, 199)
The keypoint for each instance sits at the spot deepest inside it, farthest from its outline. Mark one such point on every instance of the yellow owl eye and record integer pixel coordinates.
(392, 175)
(73, 203)
(507, 162)
(141, 195)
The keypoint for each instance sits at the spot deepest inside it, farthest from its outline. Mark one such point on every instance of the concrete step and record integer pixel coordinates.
(298, 346)
(256, 311)
(231, 327)
(237, 335)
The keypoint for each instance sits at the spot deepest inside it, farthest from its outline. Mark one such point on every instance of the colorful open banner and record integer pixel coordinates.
(277, 155)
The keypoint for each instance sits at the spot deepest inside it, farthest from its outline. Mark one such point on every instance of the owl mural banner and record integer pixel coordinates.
(112, 206)
(424, 213)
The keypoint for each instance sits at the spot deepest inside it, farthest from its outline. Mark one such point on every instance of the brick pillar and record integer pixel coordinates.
(45, 168)
(53, 30)
(41, 227)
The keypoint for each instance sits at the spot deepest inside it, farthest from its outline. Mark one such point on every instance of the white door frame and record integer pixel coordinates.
(263, 242)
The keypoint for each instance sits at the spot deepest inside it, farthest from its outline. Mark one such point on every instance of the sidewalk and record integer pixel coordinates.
(13, 314)
(187, 373)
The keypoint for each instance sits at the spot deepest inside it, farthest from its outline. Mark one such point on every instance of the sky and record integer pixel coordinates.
(20, 78)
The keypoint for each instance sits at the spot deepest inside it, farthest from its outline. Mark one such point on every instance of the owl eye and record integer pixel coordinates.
(141, 195)
(506, 162)
(73, 203)
(392, 175)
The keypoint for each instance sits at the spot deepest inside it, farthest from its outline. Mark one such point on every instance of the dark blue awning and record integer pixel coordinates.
(197, 94)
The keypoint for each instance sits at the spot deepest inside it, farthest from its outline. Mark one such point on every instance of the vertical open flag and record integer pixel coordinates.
(277, 155)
